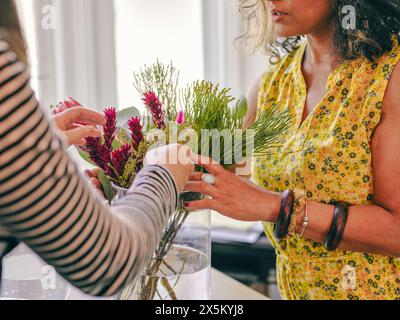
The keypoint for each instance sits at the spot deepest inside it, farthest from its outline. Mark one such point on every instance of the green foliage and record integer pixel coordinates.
(162, 80)
(109, 193)
(242, 107)
(85, 156)
(262, 135)
(210, 107)
(130, 171)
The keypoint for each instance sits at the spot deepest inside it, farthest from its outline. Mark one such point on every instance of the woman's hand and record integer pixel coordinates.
(180, 169)
(93, 176)
(176, 158)
(232, 196)
(78, 123)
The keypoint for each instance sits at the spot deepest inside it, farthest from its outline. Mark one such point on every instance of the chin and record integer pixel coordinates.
(286, 32)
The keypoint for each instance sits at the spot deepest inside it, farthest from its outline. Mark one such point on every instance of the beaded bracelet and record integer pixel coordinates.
(306, 219)
(299, 204)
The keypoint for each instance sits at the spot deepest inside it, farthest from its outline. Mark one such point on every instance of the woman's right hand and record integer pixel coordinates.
(176, 158)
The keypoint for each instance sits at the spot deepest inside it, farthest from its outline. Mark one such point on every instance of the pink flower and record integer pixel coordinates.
(136, 130)
(98, 154)
(101, 154)
(65, 105)
(110, 128)
(181, 118)
(155, 107)
(120, 157)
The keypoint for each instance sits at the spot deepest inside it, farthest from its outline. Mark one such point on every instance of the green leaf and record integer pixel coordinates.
(122, 136)
(116, 144)
(125, 115)
(107, 187)
(242, 107)
(85, 156)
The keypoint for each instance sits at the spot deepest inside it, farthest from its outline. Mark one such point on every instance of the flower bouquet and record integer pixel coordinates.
(201, 115)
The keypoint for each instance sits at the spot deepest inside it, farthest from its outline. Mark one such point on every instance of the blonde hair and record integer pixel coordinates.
(259, 31)
(258, 26)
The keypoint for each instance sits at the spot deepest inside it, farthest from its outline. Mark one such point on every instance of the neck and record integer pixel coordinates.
(320, 51)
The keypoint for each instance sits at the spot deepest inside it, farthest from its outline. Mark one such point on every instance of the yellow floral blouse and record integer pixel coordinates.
(328, 156)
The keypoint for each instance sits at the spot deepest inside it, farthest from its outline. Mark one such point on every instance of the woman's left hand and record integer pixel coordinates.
(232, 196)
(79, 123)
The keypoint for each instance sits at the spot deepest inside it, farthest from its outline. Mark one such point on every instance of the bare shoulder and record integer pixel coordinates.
(390, 109)
(252, 102)
(392, 96)
(386, 146)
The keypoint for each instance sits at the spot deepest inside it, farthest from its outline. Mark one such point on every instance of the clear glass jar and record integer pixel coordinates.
(26, 277)
(181, 265)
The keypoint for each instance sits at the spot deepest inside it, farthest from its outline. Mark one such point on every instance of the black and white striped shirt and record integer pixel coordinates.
(46, 203)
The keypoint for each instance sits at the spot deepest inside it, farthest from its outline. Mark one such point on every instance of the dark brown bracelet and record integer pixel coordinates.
(336, 232)
(281, 228)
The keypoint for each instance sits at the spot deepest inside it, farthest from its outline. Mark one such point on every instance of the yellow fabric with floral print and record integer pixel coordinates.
(328, 156)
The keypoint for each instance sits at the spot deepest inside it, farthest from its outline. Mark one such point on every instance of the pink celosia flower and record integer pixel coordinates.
(110, 128)
(120, 157)
(136, 130)
(98, 154)
(155, 107)
(181, 118)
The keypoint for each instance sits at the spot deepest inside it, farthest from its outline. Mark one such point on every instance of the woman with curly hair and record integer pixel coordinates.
(328, 194)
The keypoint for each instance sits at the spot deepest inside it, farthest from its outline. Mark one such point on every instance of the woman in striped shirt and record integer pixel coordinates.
(47, 204)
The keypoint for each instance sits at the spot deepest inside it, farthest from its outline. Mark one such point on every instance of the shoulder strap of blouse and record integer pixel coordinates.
(381, 72)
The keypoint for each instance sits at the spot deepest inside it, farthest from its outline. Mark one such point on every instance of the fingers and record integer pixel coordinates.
(84, 116)
(201, 187)
(74, 102)
(96, 183)
(196, 176)
(173, 154)
(209, 164)
(78, 135)
(93, 173)
(203, 204)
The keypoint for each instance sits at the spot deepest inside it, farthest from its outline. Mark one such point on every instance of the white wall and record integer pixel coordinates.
(170, 30)
(225, 61)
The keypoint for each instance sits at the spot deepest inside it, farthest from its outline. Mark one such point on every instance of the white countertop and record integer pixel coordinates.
(223, 287)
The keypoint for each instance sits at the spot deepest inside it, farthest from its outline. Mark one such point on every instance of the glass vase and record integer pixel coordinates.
(180, 268)
(26, 277)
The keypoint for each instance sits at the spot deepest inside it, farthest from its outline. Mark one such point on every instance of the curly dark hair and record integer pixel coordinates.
(377, 21)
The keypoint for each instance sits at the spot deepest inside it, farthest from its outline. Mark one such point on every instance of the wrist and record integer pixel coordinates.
(271, 206)
(300, 215)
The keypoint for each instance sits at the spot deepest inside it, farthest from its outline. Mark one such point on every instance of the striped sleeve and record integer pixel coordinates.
(46, 203)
